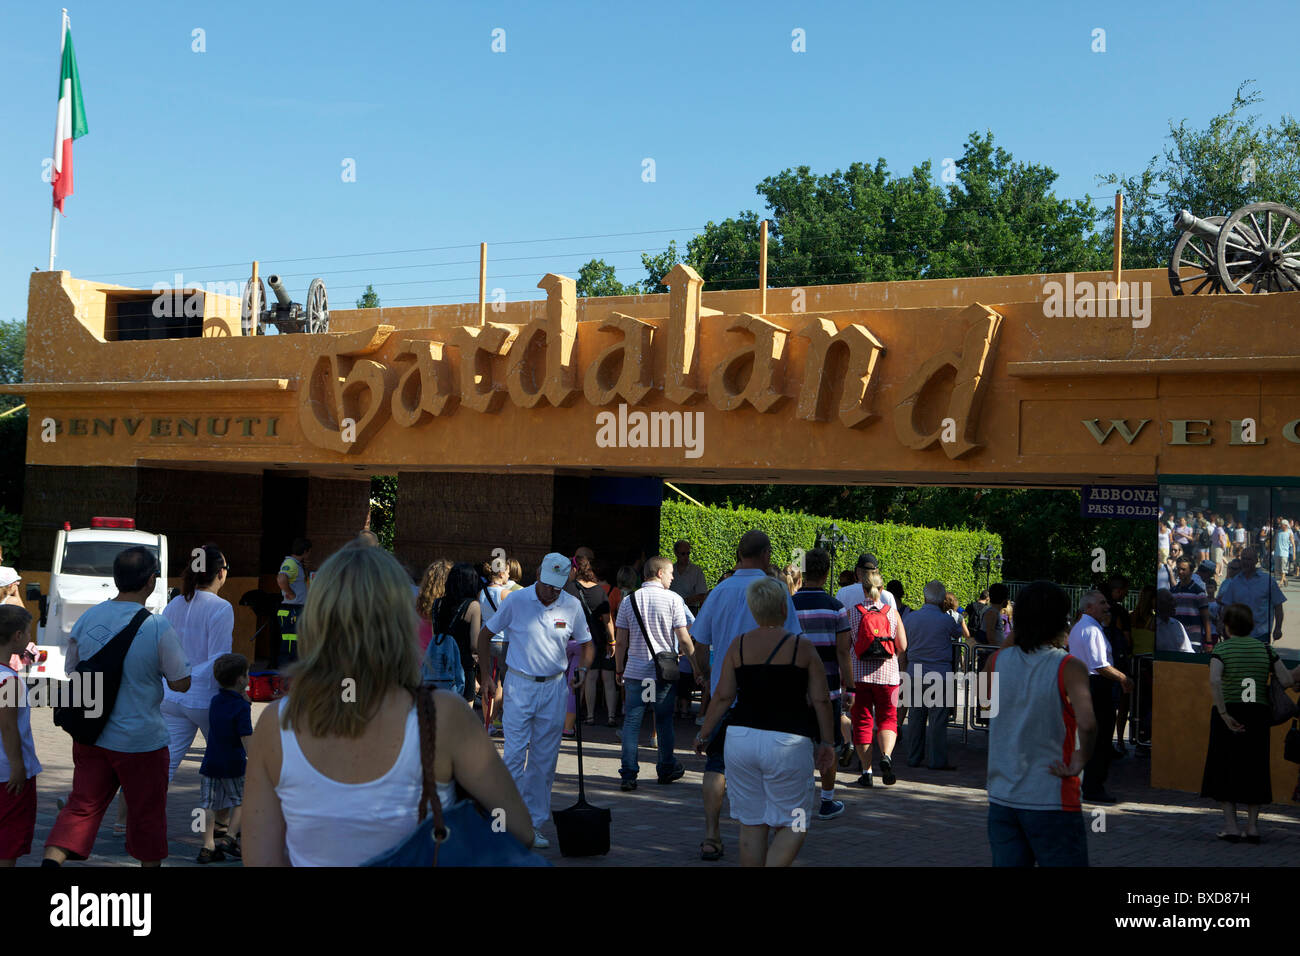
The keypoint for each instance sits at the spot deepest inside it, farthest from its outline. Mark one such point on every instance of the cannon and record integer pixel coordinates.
(285, 314)
(1253, 250)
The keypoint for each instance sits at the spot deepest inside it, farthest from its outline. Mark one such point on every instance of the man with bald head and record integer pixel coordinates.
(724, 616)
(930, 633)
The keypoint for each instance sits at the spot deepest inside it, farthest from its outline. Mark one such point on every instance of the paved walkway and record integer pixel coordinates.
(929, 818)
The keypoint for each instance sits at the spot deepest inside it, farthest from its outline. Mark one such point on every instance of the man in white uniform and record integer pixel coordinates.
(538, 622)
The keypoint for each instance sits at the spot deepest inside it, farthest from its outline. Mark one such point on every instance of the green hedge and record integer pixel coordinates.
(912, 555)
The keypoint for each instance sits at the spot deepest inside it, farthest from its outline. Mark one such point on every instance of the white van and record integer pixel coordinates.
(81, 576)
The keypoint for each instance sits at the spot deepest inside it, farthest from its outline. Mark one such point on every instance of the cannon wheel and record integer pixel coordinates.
(1258, 246)
(318, 307)
(1195, 252)
(254, 303)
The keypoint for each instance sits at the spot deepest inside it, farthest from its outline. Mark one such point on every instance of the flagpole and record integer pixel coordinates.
(54, 211)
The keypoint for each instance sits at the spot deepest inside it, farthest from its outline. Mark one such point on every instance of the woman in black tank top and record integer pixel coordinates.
(782, 706)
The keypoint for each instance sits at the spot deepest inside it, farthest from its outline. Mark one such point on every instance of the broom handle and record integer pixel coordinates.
(577, 723)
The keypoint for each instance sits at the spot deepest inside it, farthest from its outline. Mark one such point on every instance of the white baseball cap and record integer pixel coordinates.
(555, 570)
(9, 576)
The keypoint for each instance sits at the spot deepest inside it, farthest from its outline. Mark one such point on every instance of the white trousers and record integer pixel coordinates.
(181, 723)
(533, 724)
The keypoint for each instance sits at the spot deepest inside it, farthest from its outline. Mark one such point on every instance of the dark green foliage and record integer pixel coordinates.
(913, 555)
(1042, 532)
(11, 526)
(383, 508)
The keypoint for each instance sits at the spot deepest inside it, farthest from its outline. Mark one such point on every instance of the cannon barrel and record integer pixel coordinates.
(1185, 221)
(280, 294)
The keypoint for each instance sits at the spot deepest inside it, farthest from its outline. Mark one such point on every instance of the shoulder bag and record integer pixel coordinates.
(667, 669)
(459, 835)
(108, 661)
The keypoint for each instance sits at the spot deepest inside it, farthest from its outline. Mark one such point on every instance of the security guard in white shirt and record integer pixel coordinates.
(538, 622)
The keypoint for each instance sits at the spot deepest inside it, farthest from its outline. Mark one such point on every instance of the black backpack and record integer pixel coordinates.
(108, 661)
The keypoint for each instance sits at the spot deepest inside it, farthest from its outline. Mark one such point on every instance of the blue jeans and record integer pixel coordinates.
(634, 707)
(1045, 837)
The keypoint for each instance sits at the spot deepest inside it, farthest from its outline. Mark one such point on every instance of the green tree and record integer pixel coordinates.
(597, 278)
(383, 508)
(13, 424)
(865, 224)
(369, 299)
(1230, 163)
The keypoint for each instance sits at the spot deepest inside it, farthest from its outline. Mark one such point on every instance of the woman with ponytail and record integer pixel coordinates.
(205, 623)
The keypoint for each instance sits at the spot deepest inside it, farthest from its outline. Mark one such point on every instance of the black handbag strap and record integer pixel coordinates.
(645, 635)
(427, 715)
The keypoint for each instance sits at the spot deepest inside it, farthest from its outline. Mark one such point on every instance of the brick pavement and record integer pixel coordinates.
(930, 818)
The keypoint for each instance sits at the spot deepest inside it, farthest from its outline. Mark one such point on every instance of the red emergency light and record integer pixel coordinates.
(128, 523)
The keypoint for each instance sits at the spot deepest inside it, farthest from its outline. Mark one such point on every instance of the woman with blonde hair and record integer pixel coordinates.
(501, 577)
(792, 577)
(432, 588)
(334, 771)
(873, 697)
(769, 746)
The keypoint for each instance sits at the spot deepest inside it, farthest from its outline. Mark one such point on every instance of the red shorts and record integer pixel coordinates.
(880, 698)
(17, 821)
(97, 773)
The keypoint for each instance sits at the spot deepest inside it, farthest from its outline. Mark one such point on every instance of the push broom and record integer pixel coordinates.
(583, 829)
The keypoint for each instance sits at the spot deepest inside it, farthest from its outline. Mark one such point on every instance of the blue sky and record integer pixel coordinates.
(213, 159)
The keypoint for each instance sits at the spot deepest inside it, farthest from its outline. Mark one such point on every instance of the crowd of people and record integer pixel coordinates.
(795, 685)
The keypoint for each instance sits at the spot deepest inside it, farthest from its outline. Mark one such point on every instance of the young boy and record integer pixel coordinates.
(18, 763)
(230, 730)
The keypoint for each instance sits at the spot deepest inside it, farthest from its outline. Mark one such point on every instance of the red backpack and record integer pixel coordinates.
(875, 640)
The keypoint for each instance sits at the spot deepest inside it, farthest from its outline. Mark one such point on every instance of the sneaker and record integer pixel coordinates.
(210, 856)
(830, 809)
(675, 774)
(865, 780)
(629, 784)
(540, 842)
(845, 757)
(887, 771)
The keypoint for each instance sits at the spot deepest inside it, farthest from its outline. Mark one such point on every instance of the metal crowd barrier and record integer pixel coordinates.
(1139, 722)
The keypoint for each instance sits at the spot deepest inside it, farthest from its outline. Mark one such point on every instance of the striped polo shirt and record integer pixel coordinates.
(1244, 659)
(1188, 600)
(822, 618)
(663, 611)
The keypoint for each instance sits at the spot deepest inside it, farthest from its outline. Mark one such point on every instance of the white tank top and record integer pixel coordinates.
(1034, 727)
(327, 823)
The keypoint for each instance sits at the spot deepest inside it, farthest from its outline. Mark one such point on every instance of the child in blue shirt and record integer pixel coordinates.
(230, 729)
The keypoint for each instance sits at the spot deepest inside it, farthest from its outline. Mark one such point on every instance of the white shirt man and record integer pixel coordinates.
(1088, 642)
(538, 622)
(852, 595)
(666, 618)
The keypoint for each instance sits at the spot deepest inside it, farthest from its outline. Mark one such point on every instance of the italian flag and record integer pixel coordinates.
(71, 122)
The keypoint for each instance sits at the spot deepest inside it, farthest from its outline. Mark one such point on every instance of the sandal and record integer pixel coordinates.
(210, 856)
(231, 847)
(711, 849)
(1230, 837)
